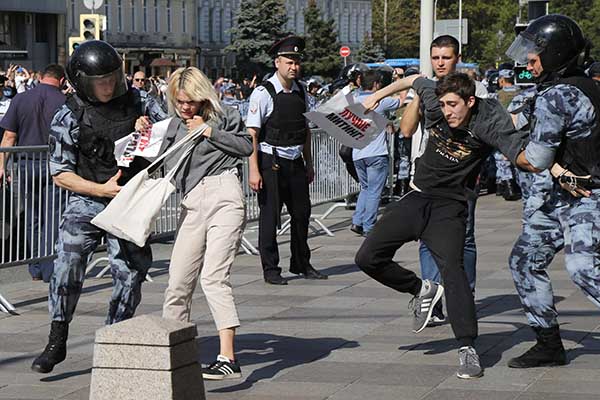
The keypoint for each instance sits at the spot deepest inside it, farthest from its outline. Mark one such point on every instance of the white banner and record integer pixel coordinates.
(346, 120)
(145, 144)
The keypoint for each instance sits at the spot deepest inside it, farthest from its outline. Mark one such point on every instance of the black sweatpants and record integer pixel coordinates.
(287, 186)
(440, 223)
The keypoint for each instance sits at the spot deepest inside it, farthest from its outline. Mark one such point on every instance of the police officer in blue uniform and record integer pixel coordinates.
(82, 136)
(565, 139)
(281, 165)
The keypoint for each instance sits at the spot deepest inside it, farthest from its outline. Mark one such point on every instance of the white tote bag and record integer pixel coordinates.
(131, 214)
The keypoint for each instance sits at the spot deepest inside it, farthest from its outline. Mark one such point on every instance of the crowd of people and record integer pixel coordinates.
(544, 143)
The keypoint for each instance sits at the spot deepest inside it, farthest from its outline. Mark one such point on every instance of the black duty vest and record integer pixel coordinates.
(286, 126)
(582, 156)
(100, 125)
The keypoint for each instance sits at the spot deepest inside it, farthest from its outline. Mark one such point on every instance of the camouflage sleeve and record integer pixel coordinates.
(561, 111)
(153, 110)
(62, 142)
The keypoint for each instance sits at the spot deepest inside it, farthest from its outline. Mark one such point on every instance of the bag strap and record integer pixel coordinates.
(173, 171)
(189, 139)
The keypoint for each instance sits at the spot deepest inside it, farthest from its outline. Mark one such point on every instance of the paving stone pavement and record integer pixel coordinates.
(341, 339)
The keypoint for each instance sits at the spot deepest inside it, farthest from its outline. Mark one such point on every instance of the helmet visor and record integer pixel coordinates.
(521, 47)
(104, 88)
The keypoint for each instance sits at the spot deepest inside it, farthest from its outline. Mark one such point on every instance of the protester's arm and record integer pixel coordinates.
(230, 135)
(373, 100)
(411, 118)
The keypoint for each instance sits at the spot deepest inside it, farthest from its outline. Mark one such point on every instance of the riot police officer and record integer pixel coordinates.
(281, 165)
(564, 138)
(81, 160)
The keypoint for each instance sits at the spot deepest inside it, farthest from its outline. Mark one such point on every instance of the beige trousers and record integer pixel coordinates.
(209, 235)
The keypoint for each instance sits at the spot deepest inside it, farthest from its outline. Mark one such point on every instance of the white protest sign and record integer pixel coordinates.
(145, 144)
(346, 120)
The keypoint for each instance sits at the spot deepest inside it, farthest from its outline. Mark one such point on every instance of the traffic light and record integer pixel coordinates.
(523, 77)
(90, 26)
(74, 42)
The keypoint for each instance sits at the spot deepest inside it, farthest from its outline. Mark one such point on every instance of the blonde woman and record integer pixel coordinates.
(213, 211)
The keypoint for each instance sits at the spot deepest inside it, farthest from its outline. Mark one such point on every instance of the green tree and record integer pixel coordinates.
(259, 24)
(395, 27)
(369, 51)
(321, 55)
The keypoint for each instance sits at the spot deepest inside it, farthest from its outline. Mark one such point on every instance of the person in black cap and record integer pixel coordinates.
(281, 164)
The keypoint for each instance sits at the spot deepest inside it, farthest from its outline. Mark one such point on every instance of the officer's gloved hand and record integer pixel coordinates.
(570, 182)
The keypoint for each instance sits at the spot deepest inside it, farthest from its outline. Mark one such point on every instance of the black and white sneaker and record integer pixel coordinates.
(422, 305)
(223, 368)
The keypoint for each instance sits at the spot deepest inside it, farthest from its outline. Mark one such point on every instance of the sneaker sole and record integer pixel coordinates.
(436, 298)
(222, 377)
(469, 376)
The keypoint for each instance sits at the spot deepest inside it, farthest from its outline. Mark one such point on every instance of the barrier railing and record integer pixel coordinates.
(32, 205)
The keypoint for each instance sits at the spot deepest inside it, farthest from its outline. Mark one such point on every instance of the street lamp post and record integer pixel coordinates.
(426, 36)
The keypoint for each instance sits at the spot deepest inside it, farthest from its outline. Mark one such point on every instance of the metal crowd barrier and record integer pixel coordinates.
(32, 205)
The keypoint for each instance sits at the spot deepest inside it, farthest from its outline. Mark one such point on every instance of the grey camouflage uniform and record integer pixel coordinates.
(552, 218)
(78, 238)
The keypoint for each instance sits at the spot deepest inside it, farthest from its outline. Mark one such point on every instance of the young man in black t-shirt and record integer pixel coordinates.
(463, 132)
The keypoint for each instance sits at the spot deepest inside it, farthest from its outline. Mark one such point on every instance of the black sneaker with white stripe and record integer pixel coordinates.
(223, 368)
(422, 305)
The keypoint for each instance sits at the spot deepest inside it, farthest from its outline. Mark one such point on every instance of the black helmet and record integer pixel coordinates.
(353, 71)
(96, 72)
(557, 39)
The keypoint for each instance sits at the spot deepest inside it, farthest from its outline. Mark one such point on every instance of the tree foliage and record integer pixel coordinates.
(259, 24)
(398, 32)
(369, 51)
(321, 53)
(491, 27)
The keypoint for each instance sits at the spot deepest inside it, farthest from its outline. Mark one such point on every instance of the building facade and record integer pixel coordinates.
(155, 36)
(32, 33)
(215, 17)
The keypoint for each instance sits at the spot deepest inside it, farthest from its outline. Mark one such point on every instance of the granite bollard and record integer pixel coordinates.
(146, 357)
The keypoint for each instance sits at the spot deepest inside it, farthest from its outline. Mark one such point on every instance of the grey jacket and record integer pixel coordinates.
(229, 142)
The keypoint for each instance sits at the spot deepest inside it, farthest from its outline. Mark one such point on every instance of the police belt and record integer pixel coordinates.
(575, 182)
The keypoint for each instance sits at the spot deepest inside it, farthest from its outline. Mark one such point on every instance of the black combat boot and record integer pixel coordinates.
(402, 187)
(56, 350)
(511, 191)
(548, 351)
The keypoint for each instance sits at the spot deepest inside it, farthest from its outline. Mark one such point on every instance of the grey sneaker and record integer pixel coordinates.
(422, 306)
(469, 363)
(437, 316)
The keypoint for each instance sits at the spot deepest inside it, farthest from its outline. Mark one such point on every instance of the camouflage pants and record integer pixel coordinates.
(574, 227)
(504, 170)
(77, 239)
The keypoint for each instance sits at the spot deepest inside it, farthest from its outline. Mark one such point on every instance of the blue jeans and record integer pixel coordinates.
(429, 269)
(372, 174)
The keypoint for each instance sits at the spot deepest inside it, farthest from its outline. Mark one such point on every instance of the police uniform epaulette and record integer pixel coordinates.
(260, 88)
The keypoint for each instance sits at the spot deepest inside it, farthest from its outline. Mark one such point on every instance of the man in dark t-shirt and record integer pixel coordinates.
(463, 132)
(27, 123)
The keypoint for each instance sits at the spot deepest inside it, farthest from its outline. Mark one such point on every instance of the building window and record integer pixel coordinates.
(132, 6)
(183, 22)
(5, 29)
(120, 16)
(72, 15)
(107, 14)
(156, 19)
(169, 16)
(145, 6)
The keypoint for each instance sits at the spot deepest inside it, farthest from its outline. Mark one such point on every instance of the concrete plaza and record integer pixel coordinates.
(341, 339)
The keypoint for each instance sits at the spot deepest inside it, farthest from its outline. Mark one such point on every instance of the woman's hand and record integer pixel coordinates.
(195, 123)
(142, 124)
